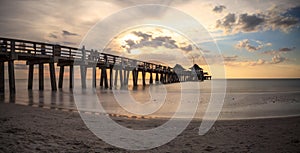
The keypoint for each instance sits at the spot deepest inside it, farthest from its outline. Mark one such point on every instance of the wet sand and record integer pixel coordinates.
(31, 129)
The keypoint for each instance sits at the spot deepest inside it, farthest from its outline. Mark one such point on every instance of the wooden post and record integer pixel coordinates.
(116, 77)
(30, 76)
(41, 76)
(144, 77)
(52, 76)
(162, 77)
(2, 79)
(136, 77)
(11, 75)
(101, 78)
(127, 78)
(83, 68)
(83, 76)
(61, 77)
(151, 79)
(71, 75)
(110, 77)
(121, 77)
(133, 77)
(94, 77)
(156, 77)
(105, 78)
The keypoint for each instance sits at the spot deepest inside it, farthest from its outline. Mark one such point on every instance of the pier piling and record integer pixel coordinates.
(61, 76)
(2, 79)
(11, 75)
(52, 76)
(30, 76)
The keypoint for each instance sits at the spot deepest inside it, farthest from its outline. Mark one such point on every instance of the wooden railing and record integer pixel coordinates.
(41, 49)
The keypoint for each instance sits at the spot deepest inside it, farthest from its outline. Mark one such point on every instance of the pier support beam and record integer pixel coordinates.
(11, 75)
(144, 77)
(61, 76)
(161, 77)
(30, 76)
(127, 77)
(83, 76)
(52, 76)
(2, 79)
(94, 77)
(151, 79)
(71, 75)
(116, 78)
(156, 77)
(134, 77)
(41, 76)
(103, 78)
(110, 78)
(121, 78)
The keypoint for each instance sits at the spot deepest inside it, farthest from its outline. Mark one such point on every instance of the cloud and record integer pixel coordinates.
(69, 43)
(286, 49)
(268, 44)
(249, 45)
(270, 52)
(227, 23)
(67, 33)
(187, 48)
(52, 35)
(219, 9)
(233, 61)
(145, 36)
(278, 59)
(230, 58)
(279, 51)
(246, 63)
(272, 19)
(147, 40)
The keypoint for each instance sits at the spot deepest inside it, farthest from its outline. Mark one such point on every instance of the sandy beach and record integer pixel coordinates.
(31, 129)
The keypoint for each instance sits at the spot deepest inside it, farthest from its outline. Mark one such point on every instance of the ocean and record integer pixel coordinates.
(244, 98)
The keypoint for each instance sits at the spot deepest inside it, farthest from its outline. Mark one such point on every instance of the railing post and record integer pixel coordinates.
(43, 49)
(4, 46)
(56, 50)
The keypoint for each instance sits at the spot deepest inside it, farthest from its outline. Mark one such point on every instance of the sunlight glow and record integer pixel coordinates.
(129, 36)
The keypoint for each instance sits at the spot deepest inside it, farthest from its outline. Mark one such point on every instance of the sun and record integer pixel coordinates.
(129, 36)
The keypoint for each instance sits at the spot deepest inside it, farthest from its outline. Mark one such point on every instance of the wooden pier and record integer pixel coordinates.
(39, 53)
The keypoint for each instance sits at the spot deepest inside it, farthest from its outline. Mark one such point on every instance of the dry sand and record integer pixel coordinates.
(30, 129)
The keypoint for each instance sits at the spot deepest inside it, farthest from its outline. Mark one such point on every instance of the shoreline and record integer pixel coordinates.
(151, 117)
(31, 129)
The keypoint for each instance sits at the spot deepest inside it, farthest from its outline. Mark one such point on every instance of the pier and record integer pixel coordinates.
(40, 54)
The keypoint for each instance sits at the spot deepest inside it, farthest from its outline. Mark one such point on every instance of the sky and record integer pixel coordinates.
(250, 39)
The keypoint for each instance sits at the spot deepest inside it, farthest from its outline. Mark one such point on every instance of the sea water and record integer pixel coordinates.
(244, 98)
